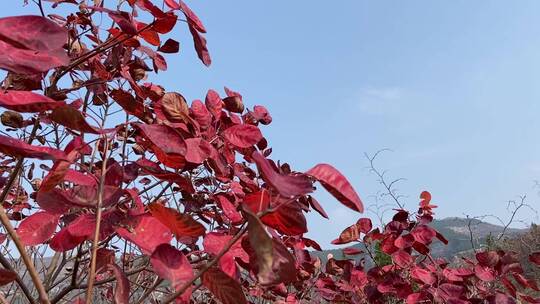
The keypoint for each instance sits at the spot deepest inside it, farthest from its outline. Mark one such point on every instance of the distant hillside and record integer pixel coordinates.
(455, 230)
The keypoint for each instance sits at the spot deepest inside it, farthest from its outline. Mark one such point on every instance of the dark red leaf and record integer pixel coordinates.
(200, 46)
(535, 258)
(335, 183)
(168, 145)
(193, 20)
(286, 184)
(121, 292)
(170, 46)
(317, 207)
(7, 276)
(275, 264)
(71, 118)
(130, 104)
(223, 287)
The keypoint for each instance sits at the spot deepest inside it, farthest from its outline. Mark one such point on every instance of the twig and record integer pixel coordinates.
(5, 263)
(214, 261)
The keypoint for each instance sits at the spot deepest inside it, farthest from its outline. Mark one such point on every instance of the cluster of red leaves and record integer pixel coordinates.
(247, 209)
(414, 276)
(239, 218)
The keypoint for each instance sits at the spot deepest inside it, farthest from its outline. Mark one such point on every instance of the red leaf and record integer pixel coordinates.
(198, 150)
(170, 264)
(130, 104)
(275, 264)
(193, 20)
(122, 19)
(424, 276)
(7, 276)
(335, 183)
(348, 235)
(423, 234)
(257, 201)
(37, 228)
(71, 118)
(364, 225)
(402, 258)
(180, 224)
(18, 148)
(64, 241)
(229, 209)
(170, 46)
(488, 258)
(147, 233)
(31, 44)
(200, 46)
(225, 289)
(242, 136)
(261, 114)
(535, 258)
(288, 219)
(24, 101)
(121, 293)
(485, 274)
(317, 207)
(214, 242)
(165, 23)
(201, 114)
(213, 103)
(287, 185)
(168, 145)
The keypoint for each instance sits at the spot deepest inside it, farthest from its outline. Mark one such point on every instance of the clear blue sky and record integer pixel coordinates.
(451, 86)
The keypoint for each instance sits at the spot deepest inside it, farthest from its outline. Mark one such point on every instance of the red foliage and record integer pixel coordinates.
(197, 171)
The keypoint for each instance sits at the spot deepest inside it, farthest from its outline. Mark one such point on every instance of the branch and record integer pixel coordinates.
(388, 186)
(93, 262)
(4, 219)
